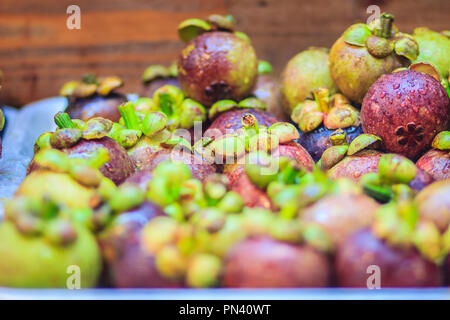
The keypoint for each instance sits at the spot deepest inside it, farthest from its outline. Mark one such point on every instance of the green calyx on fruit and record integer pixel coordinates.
(340, 149)
(227, 105)
(191, 28)
(441, 141)
(334, 112)
(158, 71)
(155, 125)
(90, 85)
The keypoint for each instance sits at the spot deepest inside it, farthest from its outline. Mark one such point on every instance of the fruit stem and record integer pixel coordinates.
(386, 21)
(129, 116)
(322, 98)
(63, 121)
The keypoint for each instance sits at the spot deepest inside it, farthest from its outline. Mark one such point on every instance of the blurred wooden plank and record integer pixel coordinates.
(38, 53)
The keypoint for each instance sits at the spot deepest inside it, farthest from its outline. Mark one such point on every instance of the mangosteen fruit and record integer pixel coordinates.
(436, 162)
(156, 76)
(406, 109)
(217, 62)
(41, 246)
(305, 72)
(81, 140)
(93, 97)
(317, 119)
(365, 52)
(267, 263)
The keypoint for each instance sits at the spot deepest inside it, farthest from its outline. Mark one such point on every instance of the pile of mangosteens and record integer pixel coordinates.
(222, 175)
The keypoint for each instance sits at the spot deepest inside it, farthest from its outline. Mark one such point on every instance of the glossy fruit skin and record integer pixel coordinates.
(267, 89)
(230, 121)
(96, 106)
(118, 168)
(317, 141)
(406, 110)
(398, 267)
(436, 163)
(366, 161)
(306, 71)
(128, 264)
(354, 69)
(434, 204)
(32, 262)
(217, 65)
(339, 219)
(150, 87)
(267, 263)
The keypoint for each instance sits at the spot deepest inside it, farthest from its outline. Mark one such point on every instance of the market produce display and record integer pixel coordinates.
(221, 175)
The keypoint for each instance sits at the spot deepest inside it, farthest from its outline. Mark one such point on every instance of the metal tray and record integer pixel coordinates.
(25, 126)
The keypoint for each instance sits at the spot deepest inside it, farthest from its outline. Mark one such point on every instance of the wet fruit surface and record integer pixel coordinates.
(436, 163)
(398, 267)
(215, 66)
(406, 110)
(265, 263)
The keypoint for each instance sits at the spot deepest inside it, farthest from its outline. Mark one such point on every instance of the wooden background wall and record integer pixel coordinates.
(38, 53)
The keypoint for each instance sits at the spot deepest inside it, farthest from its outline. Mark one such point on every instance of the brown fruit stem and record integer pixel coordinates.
(386, 21)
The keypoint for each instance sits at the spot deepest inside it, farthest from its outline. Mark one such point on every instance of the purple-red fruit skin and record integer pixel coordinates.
(230, 121)
(436, 163)
(406, 109)
(398, 267)
(267, 263)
